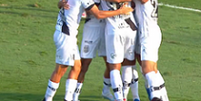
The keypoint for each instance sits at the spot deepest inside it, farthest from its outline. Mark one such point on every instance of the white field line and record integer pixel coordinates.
(178, 7)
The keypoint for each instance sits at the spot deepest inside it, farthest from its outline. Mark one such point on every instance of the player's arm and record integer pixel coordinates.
(99, 14)
(143, 1)
(132, 4)
(118, 1)
(63, 4)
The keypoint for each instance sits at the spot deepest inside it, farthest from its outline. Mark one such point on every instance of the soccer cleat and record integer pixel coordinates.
(75, 97)
(136, 100)
(108, 96)
(156, 99)
(44, 99)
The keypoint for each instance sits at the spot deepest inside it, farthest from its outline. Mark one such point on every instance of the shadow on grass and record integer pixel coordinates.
(39, 97)
(91, 98)
(20, 97)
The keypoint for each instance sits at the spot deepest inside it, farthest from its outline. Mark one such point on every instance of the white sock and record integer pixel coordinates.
(70, 88)
(77, 91)
(126, 79)
(106, 84)
(163, 90)
(134, 84)
(51, 90)
(146, 84)
(116, 83)
(152, 80)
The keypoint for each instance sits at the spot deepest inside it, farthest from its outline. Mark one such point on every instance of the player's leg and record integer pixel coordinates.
(64, 59)
(116, 81)
(84, 69)
(149, 70)
(85, 66)
(106, 93)
(138, 57)
(71, 82)
(154, 80)
(115, 55)
(163, 89)
(53, 83)
(126, 76)
(130, 79)
(90, 41)
(134, 84)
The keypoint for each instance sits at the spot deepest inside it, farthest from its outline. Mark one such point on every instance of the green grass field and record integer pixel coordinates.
(28, 53)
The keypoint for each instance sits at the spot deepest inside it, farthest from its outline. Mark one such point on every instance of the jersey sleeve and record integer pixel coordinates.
(97, 1)
(87, 4)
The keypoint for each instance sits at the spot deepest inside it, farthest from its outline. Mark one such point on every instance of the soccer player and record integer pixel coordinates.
(120, 39)
(67, 54)
(93, 40)
(150, 40)
(130, 75)
(130, 80)
(129, 72)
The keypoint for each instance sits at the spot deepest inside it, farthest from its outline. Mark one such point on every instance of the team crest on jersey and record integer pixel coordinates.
(130, 52)
(86, 48)
(113, 55)
(59, 57)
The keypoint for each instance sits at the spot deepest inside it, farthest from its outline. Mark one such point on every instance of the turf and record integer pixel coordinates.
(28, 52)
(185, 3)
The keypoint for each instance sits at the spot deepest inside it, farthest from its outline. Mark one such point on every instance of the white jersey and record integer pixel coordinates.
(146, 14)
(115, 20)
(92, 20)
(150, 33)
(93, 37)
(66, 30)
(120, 34)
(73, 15)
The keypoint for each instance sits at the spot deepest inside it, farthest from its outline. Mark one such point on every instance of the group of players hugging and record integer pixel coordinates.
(122, 32)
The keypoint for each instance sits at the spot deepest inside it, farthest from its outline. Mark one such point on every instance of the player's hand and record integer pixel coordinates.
(125, 10)
(63, 4)
(143, 1)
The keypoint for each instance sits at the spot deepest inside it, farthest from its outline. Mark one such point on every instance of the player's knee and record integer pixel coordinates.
(85, 65)
(77, 67)
(148, 66)
(84, 69)
(60, 69)
(128, 62)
